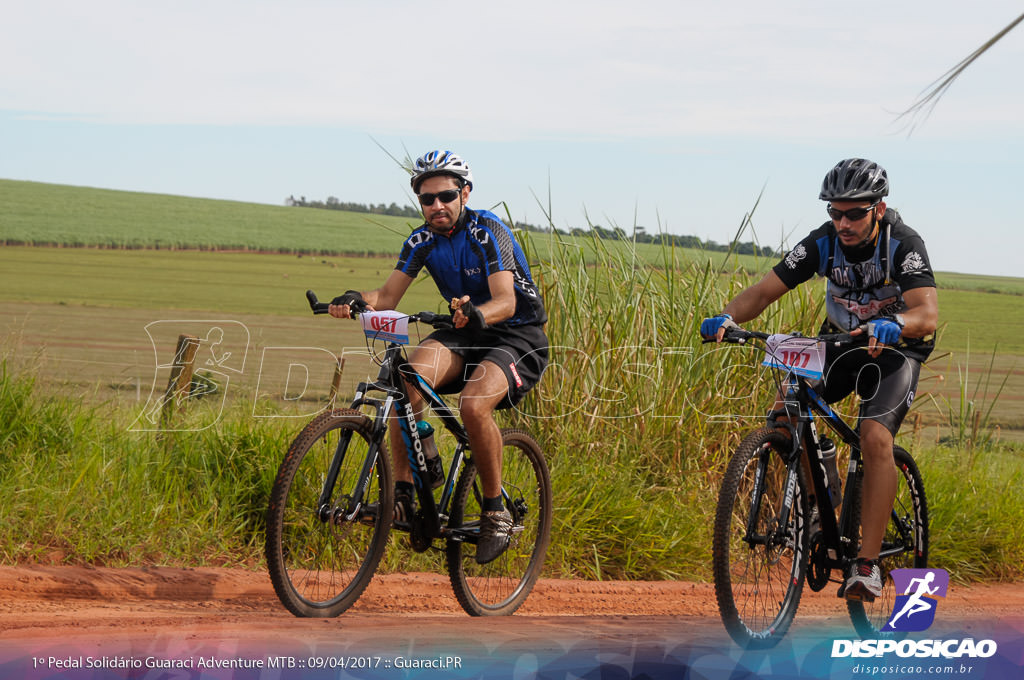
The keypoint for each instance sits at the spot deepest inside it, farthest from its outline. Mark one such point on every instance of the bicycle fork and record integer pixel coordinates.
(775, 531)
(350, 508)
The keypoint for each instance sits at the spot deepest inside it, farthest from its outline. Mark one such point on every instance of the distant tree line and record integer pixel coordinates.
(333, 203)
(639, 234)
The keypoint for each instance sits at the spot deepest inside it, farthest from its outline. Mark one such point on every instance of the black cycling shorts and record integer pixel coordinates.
(886, 384)
(521, 352)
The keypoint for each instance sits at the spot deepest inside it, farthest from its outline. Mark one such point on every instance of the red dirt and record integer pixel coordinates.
(208, 623)
(48, 602)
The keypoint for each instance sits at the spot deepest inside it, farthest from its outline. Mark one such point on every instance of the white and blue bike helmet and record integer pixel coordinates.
(440, 163)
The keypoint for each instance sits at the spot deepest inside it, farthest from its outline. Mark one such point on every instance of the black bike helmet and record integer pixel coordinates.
(855, 179)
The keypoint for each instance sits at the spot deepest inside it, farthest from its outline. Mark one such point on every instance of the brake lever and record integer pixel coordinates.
(438, 321)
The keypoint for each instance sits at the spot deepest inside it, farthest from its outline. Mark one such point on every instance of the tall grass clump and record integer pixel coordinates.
(975, 511)
(968, 415)
(635, 413)
(973, 482)
(638, 418)
(77, 486)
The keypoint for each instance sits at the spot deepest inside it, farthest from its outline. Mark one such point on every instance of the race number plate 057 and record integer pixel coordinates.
(803, 356)
(388, 326)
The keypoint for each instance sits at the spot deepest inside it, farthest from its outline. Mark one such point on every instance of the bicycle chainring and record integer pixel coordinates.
(418, 538)
(818, 571)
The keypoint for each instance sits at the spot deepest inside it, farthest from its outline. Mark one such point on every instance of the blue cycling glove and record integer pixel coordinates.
(887, 331)
(709, 327)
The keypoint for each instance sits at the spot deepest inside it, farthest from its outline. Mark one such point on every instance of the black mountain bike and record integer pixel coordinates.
(332, 504)
(768, 538)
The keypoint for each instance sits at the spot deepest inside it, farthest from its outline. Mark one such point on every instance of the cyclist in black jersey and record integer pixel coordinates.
(498, 350)
(879, 277)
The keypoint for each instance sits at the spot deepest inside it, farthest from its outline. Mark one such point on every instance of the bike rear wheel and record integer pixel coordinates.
(759, 572)
(501, 586)
(904, 546)
(322, 558)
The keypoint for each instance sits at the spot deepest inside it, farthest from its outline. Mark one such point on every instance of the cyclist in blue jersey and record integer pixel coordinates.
(879, 277)
(498, 350)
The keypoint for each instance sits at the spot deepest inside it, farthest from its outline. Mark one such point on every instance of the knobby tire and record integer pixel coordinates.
(910, 512)
(320, 568)
(500, 587)
(758, 584)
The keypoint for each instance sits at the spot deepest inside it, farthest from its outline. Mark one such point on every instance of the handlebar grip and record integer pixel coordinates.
(438, 321)
(318, 307)
(738, 336)
(314, 304)
(844, 339)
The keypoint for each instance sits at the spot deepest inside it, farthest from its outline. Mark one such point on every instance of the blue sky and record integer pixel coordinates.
(671, 115)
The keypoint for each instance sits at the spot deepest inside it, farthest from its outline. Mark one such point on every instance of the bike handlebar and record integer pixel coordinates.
(438, 321)
(314, 304)
(740, 336)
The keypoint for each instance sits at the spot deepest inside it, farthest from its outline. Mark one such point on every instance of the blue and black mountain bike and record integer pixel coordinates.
(332, 505)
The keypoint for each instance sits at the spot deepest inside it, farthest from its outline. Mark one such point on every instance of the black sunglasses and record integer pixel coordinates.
(853, 214)
(445, 196)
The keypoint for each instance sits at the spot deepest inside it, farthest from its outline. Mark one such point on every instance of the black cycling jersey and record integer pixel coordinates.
(864, 283)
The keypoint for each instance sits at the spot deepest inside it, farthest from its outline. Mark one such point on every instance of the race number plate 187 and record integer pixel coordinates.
(803, 356)
(388, 326)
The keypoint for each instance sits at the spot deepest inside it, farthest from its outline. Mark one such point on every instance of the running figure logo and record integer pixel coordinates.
(914, 610)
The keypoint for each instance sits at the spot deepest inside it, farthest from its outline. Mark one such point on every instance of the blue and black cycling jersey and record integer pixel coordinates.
(460, 263)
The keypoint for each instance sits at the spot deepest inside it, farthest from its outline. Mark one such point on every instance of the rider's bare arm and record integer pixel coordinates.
(919, 318)
(390, 294)
(502, 304)
(922, 314)
(386, 297)
(754, 300)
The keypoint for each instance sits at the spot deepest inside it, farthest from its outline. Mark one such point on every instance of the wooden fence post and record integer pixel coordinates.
(180, 381)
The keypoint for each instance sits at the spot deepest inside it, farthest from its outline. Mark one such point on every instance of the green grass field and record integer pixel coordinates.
(86, 335)
(47, 214)
(32, 213)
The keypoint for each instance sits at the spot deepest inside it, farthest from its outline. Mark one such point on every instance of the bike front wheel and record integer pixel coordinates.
(759, 556)
(904, 545)
(322, 550)
(501, 586)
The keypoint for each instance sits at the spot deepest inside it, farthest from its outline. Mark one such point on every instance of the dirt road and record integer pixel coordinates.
(99, 618)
